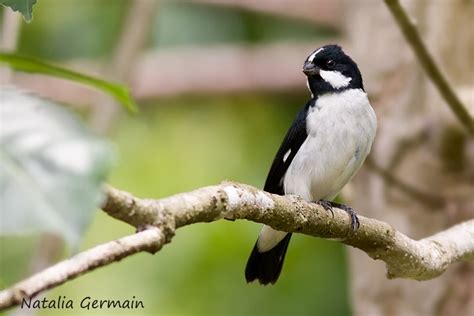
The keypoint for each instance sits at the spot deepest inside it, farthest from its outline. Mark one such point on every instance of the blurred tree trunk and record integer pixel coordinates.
(419, 142)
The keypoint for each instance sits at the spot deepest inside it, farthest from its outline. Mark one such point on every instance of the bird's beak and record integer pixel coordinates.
(310, 69)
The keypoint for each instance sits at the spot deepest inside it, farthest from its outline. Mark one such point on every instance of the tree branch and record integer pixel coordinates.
(150, 240)
(431, 68)
(132, 40)
(404, 257)
(432, 201)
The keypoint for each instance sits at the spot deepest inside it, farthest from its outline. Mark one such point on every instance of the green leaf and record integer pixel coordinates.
(25, 7)
(27, 64)
(51, 168)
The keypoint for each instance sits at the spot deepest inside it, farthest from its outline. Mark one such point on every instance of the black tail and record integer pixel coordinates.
(266, 266)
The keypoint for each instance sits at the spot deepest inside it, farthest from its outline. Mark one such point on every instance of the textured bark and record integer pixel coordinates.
(157, 221)
(419, 142)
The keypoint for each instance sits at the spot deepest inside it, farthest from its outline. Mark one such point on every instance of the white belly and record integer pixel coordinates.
(341, 128)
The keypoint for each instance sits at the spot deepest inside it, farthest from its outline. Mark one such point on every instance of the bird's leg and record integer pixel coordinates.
(327, 205)
(349, 210)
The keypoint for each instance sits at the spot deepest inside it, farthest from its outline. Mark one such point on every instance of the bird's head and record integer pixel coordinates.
(329, 70)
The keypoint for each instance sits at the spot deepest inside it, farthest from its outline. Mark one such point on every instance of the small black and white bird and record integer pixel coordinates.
(323, 149)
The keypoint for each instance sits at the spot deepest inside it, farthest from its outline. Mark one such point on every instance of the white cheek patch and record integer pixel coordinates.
(335, 78)
(285, 157)
(311, 57)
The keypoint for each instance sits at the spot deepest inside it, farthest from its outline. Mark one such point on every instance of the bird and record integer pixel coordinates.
(323, 149)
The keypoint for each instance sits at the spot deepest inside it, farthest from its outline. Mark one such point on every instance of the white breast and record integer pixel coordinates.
(341, 128)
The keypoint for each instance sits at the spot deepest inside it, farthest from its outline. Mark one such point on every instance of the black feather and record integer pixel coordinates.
(266, 266)
(294, 138)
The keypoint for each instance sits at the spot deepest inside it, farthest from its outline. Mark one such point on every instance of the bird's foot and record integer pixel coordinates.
(327, 205)
(349, 210)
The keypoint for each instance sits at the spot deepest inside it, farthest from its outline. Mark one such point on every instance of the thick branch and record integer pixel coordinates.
(404, 257)
(426, 60)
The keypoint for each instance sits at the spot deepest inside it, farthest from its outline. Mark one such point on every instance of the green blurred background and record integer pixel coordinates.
(176, 144)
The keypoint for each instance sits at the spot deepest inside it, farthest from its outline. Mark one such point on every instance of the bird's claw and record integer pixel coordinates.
(355, 224)
(327, 205)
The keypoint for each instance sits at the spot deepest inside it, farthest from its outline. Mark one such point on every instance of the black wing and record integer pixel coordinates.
(294, 138)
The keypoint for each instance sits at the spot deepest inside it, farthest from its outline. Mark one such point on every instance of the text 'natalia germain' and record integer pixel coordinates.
(62, 302)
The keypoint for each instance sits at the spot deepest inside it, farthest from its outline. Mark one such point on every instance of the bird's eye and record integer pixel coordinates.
(330, 63)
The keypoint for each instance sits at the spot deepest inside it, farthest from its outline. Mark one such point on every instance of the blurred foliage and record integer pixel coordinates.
(176, 25)
(33, 65)
(45, 149)
(88, 28)
(95, 25)
(24, 7)
(179, 144)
